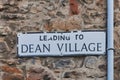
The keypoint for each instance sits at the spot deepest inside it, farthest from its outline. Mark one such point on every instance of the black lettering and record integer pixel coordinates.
(43, 38)
(68, 38)
(66, 47)
(99, 47)
(54, 37)
(31, 48)
(24, 48)
(50, 39)
(60, 47)
(91, 47)
(38, 49)
(62, 38)
(76, 50)
(79, 36)
(46, 48)
(84, 47)
(70, 48)
(76, 36)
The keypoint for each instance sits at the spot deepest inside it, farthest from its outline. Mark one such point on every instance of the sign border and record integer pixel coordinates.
(71, 55)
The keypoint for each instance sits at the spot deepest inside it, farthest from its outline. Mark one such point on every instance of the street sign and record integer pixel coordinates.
(62, 43)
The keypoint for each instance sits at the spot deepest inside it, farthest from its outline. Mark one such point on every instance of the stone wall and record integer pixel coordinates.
(53, 15)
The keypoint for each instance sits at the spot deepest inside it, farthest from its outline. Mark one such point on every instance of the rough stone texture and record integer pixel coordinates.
(54, 15)
(91, 62)
(39, 74)
(7, 76)
(73, 7)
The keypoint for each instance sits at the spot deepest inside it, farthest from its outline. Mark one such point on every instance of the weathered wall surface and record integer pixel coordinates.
(53, 15)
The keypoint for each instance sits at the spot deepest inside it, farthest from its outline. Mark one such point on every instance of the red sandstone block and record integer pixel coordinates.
(7, 76)
(9, 69)
(73, 7)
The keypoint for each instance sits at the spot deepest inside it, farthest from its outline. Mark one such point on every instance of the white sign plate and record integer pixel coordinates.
(62, 44)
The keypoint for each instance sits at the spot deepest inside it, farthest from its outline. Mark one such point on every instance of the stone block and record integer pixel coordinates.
(66, 63)
(88, 2)
(72, 74)
(7, 76)
(91, 62)
(2, 47)
(11, 9)
(13, 16)
(9, 69)
(74, 7)
(35, 73)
